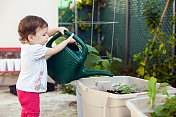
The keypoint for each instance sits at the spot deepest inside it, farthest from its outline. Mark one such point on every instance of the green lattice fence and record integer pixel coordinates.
(119, 29)
(138, 36)
(65, 14)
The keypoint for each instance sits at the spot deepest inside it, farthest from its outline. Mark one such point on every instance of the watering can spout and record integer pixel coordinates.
(86, 73)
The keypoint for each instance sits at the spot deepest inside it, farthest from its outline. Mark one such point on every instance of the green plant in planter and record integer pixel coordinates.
(166, 110)
(125, 89)
(152, 90)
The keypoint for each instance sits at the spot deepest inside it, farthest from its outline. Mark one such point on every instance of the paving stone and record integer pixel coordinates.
(53, 104)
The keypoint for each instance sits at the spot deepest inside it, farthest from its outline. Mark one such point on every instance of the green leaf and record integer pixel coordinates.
(161, 45)
(97, 67)
(154, 74)
(164, 84)
(147, 77)
(125, 88)
(164, 51)
(59, 40)
(91, 49)
(151, 85)
(105, 63)
(149, 102)
(142, 63)
(140, 70)
(151, 31)
(163, 91)
(117, 59)
(170, 65)
(157, 1)
(91, 60)
(167, 109)
(108, 54)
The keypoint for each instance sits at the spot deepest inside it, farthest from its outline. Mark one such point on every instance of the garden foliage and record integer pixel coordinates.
(161, 62)
(166, 110)
(126, 89)
(152, 90)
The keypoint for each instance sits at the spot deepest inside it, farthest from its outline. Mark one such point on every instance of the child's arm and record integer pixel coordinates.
(55, 30)
(59, 47)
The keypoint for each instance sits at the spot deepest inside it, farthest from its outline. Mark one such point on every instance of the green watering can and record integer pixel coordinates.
(68, 64)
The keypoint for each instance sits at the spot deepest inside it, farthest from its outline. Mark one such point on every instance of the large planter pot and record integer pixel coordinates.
(94, 101)
(139, 107)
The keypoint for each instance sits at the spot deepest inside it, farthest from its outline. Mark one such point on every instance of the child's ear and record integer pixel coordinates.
(30, 37)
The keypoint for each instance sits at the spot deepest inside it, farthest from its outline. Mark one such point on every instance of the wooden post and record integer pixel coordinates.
(127, 34)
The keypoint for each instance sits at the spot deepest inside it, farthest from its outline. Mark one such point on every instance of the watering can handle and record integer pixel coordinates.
(84, 47)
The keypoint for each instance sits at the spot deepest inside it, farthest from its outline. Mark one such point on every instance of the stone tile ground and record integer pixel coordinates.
(53, 104)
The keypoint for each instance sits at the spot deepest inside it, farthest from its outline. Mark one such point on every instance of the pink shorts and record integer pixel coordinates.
(30, 103)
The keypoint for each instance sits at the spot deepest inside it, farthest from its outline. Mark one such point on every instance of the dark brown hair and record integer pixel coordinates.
(28, 25)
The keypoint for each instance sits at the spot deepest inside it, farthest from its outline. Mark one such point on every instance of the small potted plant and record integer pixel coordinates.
(143, 107)
(124, 89)
(97, 100)
(168, 109)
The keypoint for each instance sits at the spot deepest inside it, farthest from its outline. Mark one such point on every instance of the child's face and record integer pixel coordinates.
(41, 36)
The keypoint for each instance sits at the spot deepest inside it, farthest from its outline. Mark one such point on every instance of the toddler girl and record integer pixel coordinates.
(34, 33)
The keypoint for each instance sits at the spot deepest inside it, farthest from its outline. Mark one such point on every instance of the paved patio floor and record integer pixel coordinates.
(53, 104)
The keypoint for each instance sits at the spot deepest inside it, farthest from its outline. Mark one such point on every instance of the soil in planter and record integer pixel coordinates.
(117, 91)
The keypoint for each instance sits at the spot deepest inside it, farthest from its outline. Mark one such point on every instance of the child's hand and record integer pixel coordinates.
(70, 39)
(62, 29)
